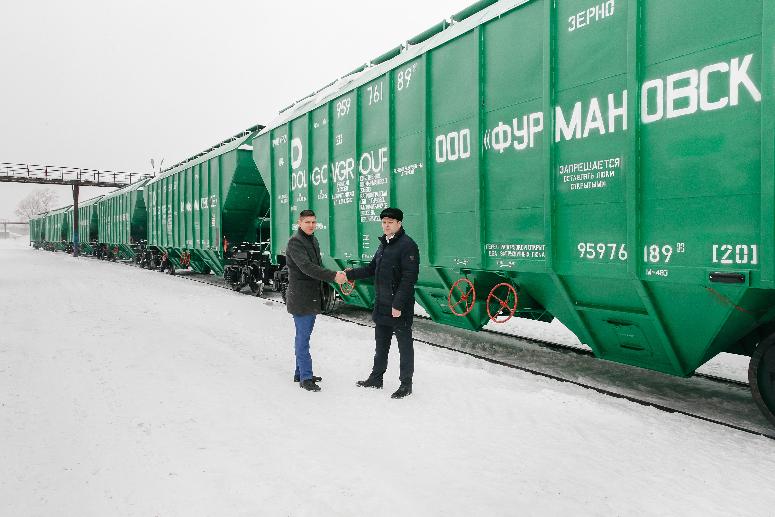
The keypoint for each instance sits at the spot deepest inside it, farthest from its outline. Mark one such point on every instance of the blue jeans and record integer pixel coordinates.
(304, 325)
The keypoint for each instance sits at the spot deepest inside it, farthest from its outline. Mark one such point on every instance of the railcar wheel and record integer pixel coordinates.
(761, 377)
(328, 298)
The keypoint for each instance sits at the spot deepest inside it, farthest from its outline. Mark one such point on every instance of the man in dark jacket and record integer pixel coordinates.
(395, 268)
(304, 294)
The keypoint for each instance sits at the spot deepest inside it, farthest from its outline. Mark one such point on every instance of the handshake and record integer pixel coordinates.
(341, 277)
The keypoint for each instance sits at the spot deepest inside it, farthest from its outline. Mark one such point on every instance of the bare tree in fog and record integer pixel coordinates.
(35, 203)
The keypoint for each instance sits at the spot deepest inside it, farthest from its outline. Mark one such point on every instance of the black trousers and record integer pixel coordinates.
(383, 335)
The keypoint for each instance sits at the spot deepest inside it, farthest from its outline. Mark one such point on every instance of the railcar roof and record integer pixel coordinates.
(410, 52)
(89, 202)
(238, 142)
(137, 185)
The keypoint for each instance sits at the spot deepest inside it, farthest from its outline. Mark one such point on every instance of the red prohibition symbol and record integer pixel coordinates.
(461, 298)
(347, 287)
(502, 303)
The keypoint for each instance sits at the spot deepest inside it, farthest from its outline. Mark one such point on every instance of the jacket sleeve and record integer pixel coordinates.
(299, 256)
(410, 270)
(365, 271)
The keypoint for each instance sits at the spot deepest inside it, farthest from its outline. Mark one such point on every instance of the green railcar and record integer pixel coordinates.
(206, 204)
(609, 163)
(88, 225)
(38, 231)
(123, 219)
(59, 229)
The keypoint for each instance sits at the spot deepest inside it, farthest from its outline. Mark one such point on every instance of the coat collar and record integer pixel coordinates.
(398, 234)
(302, 234)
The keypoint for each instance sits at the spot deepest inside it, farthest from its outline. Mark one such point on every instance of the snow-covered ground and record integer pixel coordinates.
(128, 392)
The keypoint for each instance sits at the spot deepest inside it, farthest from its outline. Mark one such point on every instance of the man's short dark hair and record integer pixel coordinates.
(392, 213)
(306, 213)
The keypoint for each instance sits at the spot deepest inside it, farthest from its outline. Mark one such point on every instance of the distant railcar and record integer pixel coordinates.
(200, 209)
(38, 231)
(59, 229)
(123, 220)
(88, 225)
(609, 163)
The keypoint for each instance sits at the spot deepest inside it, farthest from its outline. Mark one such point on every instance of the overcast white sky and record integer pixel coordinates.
(104, 84)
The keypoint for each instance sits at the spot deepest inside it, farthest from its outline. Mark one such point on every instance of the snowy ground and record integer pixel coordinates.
(127, 392)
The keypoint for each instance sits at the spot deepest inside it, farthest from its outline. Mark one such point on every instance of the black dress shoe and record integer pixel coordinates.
(309, 385)
(371, 382)
(403, 391)
(314, 378)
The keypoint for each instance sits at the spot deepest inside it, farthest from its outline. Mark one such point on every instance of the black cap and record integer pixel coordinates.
(392, 213)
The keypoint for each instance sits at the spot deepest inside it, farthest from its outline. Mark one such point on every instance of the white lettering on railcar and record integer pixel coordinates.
(373, 163)
(518, 251)
(343, 107)
(593, 14)
(375, 93)
(299, 180)
(404, 77)
(590, 175)
(602, 251)
(453, 146)
(342, 172)
(594, 121)
(320, 175)
(738, 254)
(408, 170)
(519, 134)
(662, 253)
(297, 153)
(685, 93)
(373, 184)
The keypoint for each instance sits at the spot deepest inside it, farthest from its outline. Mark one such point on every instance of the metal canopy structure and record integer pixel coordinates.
(56, 175)
(77, 177)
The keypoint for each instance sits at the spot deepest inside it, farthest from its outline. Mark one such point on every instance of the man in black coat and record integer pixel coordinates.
(304, 294)
(395, 268)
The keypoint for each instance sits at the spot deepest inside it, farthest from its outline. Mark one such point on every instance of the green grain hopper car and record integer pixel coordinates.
(609, 163)
(38, 231)
(201, 207)
(122, 221)
(59, 229)
(88, 225)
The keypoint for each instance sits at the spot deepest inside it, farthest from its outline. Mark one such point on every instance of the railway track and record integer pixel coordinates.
(728, 393)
